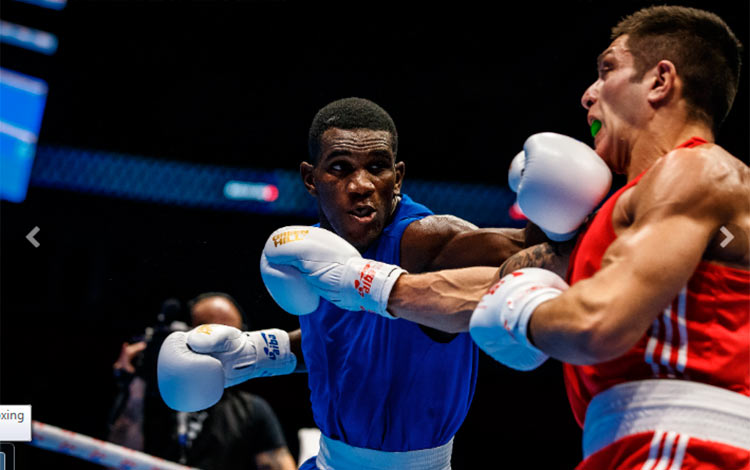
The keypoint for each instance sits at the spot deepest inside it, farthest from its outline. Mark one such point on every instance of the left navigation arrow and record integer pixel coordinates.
(30, 237)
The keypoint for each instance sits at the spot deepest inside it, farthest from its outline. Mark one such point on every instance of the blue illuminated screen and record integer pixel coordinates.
(22, 100)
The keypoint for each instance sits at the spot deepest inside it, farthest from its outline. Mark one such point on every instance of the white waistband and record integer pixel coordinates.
(694, 409)
(336, 455)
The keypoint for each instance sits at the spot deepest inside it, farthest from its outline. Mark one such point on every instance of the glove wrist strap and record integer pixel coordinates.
(369, 284)
(529, 303)
(273, 354)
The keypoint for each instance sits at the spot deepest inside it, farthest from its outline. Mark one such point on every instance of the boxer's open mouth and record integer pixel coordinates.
(363, 213)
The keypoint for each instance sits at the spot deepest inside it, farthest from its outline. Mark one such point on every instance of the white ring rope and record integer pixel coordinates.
(103, 453)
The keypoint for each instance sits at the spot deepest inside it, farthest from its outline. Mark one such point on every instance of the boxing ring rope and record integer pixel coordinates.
(103, 453)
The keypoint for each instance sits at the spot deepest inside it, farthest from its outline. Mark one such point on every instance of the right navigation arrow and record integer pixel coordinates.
(728, 235)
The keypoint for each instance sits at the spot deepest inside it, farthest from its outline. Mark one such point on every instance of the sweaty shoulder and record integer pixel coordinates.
(705, 183)
(692, 180)
(424, 239)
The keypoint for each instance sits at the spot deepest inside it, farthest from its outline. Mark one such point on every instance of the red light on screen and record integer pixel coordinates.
(270, 193)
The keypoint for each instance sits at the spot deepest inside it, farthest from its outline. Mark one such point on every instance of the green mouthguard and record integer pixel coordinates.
(595, 126)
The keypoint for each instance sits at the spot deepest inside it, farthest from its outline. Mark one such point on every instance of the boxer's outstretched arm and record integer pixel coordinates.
(443, 300)
(446, 299)
(447, 242)
(677, 209)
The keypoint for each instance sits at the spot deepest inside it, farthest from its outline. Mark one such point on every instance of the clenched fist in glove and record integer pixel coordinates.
(300, 264)
(195, 367)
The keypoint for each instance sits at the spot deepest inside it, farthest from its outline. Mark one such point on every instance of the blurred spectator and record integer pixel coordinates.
(240, 432)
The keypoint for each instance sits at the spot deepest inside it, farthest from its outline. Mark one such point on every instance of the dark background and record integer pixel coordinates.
(237, 83)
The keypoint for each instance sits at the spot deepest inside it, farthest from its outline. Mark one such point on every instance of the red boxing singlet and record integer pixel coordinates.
(703, 336)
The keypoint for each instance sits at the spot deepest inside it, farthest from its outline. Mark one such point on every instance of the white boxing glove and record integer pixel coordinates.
(288, 287)
(195, 367)
(331, 268)
(499, 323)
(188, 381)
(559, 181)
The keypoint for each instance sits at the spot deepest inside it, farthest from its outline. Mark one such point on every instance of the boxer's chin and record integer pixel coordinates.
(362, 231)
(602, 147)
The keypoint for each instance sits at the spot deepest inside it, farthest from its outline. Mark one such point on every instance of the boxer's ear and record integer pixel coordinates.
(306, 171)
(664, 80)
(400, 168)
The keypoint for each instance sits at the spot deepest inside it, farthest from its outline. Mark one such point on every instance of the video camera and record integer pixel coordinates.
(167, 322)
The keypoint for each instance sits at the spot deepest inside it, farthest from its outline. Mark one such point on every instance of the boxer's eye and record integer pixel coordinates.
(378, 167)
(339, 167)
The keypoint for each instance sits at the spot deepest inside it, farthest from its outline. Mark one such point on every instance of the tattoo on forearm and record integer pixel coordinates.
(544, 255)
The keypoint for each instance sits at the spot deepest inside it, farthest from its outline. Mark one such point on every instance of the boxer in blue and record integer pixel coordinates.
(386, 393)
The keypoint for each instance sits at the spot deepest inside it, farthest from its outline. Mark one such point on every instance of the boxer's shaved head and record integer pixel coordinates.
(349, 113)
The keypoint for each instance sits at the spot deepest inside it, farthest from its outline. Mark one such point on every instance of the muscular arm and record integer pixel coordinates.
(443, 300)
(448, 242)
(446, 299)
(645, 268)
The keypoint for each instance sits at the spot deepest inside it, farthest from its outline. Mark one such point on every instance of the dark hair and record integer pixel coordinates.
(349, 113)
(207, 295)
(705, 51)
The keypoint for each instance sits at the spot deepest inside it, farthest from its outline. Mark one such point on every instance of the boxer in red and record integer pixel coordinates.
(655, 327)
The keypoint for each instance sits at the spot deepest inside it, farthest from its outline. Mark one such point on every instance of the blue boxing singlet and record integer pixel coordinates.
(384, 384)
